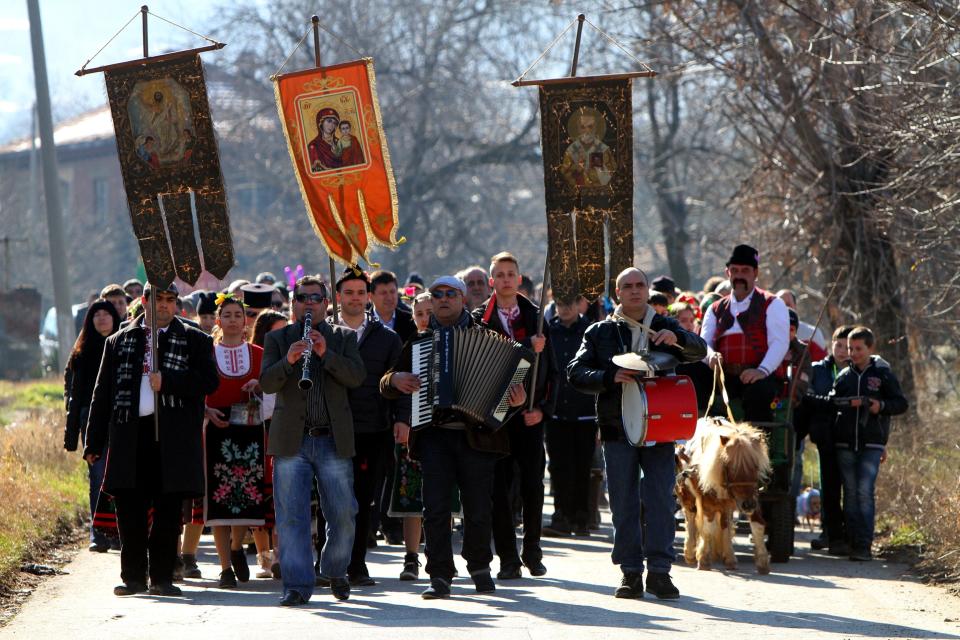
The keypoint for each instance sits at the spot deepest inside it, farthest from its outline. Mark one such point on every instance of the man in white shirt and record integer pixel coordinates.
(748, 333)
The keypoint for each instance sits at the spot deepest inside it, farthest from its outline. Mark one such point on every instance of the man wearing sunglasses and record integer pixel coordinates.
(452, 452)
(311, 436)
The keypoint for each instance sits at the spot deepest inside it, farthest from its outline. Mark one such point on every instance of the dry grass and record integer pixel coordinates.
(42, 487)
(918, 491)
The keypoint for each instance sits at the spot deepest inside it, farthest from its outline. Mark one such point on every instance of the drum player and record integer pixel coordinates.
(634, 327)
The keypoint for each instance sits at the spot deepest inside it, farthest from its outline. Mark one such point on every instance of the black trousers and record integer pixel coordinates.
(369, 463)
(570, 445)
(756, 397)
(526, 449)
(446, 461)
(831, 492)
(373, 450)
(140, 539)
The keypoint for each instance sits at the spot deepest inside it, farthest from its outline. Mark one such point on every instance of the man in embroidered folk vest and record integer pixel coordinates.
(145, 472)
(748, 331)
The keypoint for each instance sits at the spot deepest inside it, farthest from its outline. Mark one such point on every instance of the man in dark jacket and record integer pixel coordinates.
(820, 427)
(864, 397)
(149, 467)
(452, 452)
(571, 431)
(372, 429)
(592, 371)
(511, 314)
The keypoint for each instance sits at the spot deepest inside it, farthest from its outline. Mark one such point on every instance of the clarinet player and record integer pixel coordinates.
(311, 436)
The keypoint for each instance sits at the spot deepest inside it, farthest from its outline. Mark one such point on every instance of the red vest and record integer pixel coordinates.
(746, 349)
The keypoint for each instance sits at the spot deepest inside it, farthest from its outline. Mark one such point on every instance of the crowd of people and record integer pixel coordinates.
(252, 422)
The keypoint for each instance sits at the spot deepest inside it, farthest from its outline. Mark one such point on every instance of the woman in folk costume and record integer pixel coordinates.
(80, 376)
(234, 443)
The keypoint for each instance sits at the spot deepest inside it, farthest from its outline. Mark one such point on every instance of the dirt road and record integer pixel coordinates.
(812, 596)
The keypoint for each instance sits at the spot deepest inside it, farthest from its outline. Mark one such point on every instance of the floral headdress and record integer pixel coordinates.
(227, 297)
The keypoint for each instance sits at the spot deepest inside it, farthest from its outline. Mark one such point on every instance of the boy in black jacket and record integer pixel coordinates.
(863, 398)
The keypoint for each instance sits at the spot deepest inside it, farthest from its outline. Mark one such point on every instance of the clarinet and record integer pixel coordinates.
(305, 381)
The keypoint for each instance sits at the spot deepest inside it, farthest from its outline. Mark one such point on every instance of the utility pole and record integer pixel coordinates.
(51, 189)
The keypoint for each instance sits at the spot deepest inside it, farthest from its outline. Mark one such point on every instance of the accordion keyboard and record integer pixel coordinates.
(421, 403)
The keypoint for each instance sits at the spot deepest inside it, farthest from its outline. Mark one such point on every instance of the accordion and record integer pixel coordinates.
(469, 371)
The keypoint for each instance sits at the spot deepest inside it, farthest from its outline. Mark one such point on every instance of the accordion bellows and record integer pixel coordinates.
(469, 371)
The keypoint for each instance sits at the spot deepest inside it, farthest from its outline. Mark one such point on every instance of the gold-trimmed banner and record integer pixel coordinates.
(334, 133)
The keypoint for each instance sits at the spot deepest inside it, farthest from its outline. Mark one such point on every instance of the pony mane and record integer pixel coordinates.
(743, 455)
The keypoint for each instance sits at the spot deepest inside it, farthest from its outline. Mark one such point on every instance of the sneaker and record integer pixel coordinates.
(509, 572)
(238, 560)
(861, 555)
(660, 585)
(228, 580)
(129, 589)
(411, 567)
(263, 561)
(438, 589)
(483, 582)
(190, 568)
(631, 586)
(340, 588)
(98, 547)
(165, 589)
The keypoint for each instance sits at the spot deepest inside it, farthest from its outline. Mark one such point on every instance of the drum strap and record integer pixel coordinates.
(719, 377)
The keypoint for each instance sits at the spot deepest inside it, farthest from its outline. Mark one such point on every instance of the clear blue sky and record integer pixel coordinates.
(72, 32)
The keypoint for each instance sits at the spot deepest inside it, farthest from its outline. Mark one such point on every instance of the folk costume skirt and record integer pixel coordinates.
(235, 471)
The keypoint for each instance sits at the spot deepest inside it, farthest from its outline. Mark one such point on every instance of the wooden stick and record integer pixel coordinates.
(151, 59)
(143, 16)
(317, 63)
(546, 262)
(584, 79)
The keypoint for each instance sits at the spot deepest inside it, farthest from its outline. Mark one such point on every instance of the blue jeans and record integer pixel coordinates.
(95, 472)
(292, 482)
(652, 541)
(859, 470)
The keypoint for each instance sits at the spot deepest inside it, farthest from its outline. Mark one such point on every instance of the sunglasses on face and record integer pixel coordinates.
(449, 293)
(251, 314)
(309, 297)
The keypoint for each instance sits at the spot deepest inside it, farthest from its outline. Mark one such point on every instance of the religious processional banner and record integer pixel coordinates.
(171, 166)
(331, 121)
(587, 140)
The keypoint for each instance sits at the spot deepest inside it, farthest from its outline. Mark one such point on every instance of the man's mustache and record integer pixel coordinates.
(737, 281)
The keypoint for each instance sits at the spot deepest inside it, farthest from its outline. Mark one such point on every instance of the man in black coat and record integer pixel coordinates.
(386, 307)
(571, 431)
(511, 314)
(592, 371)
(149, 469)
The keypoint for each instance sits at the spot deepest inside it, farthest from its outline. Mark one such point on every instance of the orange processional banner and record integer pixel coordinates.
(331, 121)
